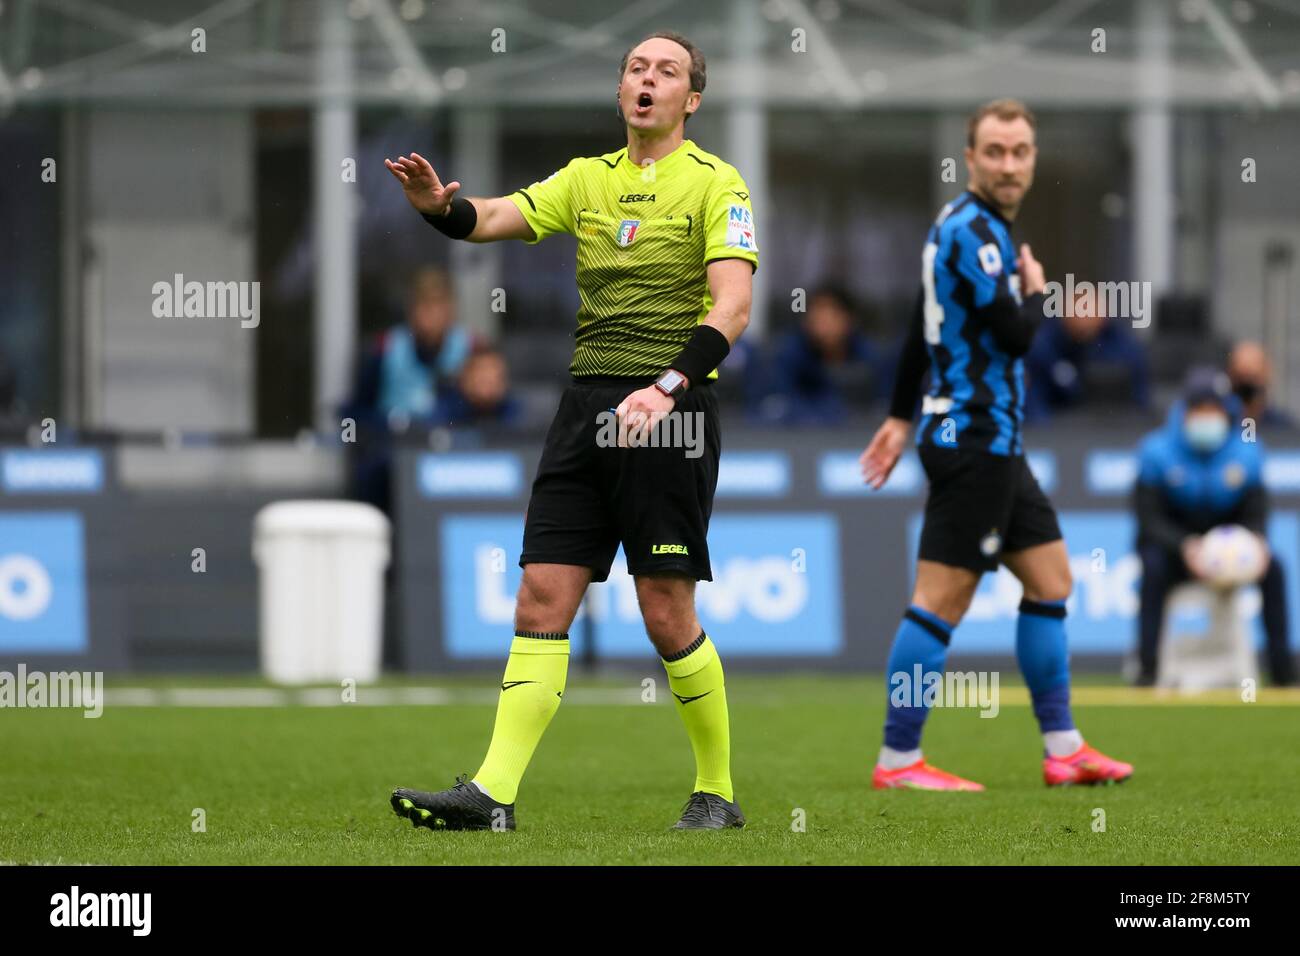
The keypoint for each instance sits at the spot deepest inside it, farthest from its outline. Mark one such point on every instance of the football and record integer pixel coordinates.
(1233, 556)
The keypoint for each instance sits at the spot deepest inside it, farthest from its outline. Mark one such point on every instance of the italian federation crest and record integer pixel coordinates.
(627, 231)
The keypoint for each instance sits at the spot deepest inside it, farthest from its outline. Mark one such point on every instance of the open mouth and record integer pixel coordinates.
(644, 102)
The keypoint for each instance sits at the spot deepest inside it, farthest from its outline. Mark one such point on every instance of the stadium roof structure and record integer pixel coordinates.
(809, 54)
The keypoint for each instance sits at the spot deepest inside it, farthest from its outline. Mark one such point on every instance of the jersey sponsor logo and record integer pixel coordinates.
(627, 231)
(669, 549)
(740, 228)
(990, 258)
(637, 197)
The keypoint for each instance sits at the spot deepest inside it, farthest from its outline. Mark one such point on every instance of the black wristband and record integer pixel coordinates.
(702, 354)
(459, 221)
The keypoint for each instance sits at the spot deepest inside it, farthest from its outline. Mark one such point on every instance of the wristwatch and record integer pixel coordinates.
(672, 383)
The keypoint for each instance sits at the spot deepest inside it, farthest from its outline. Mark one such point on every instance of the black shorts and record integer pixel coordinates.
(656, 501)
(982, 506)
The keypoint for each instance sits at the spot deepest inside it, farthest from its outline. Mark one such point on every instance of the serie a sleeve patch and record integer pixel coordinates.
(990, 258)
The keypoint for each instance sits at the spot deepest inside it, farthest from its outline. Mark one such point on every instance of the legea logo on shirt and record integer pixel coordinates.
(627, 231)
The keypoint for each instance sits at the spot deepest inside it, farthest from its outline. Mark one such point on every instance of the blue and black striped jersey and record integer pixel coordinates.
(970, 287)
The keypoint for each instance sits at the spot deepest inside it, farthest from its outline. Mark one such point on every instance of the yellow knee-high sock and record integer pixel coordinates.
(530, 695)
(695, 678)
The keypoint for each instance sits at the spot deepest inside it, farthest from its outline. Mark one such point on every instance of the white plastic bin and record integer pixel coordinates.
(1206, 641)
(321, 570)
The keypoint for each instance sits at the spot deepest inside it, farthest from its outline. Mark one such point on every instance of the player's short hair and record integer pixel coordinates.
(698, 72)
(1004, 109)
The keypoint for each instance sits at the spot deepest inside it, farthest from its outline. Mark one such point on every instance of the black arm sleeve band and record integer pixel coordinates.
(1013, 326)
(459, 221)
(702, 354)
(1154, 523)
(911, 366)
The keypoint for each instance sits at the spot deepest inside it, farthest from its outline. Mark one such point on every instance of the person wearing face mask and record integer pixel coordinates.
(1195, 473)
(1251, 375)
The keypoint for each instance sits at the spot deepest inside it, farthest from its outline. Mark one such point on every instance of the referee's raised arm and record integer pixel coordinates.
(478, 220)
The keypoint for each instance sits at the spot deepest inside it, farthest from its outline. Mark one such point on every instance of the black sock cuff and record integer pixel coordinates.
(937, 632)
(1042, 610)
(544, 635)
(689, 649)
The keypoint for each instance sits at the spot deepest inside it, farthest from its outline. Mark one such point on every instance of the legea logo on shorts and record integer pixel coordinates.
(669, 549)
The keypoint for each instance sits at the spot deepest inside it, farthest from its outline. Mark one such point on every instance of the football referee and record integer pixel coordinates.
(665, 260)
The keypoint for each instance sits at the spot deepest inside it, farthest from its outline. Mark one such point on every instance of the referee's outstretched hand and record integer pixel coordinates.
(423, 189)
(884, 451)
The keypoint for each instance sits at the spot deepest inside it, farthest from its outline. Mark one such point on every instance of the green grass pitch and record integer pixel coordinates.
(1214, 784)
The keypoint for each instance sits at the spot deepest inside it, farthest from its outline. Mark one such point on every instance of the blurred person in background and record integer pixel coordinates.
(1251, 373)
(1084, 358)
(819, 371)
(481, 393)
(1195, 473)
(399, 378)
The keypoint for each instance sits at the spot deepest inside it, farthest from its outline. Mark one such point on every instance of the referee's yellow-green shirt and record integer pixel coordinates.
(645, 236)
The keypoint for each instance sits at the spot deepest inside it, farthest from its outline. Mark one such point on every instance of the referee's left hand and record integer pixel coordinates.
(639, 414)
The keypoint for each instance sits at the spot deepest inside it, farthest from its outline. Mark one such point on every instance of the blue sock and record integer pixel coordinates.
(920, 647)
(1045, 662)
